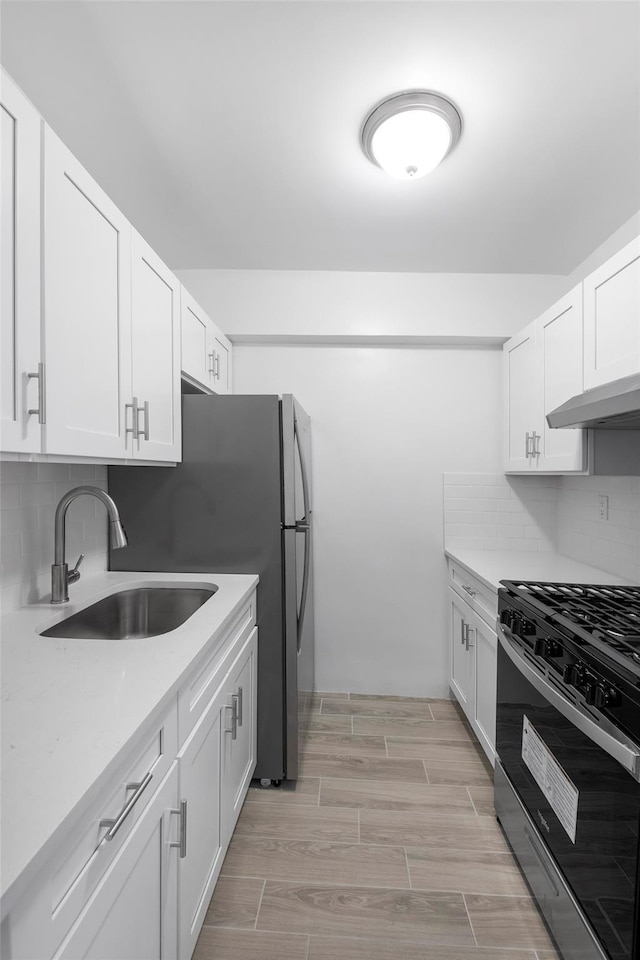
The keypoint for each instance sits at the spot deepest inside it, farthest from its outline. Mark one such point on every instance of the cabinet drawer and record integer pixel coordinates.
(205, 679)
(479, 597)
(90, 853)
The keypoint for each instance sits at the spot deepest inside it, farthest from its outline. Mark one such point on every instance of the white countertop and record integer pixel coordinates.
(491, 566)
(70, 707)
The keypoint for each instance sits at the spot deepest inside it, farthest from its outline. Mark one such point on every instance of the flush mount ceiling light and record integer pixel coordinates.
(409, 133)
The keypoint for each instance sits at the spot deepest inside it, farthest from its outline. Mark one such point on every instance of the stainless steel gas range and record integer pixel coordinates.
(567, 784)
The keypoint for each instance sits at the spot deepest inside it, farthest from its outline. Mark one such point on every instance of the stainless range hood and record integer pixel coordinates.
(612, 406)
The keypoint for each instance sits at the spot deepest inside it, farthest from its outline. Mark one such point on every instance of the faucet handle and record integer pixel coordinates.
(74, 574)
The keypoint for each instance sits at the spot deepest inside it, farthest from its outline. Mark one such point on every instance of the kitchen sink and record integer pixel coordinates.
(135, 613)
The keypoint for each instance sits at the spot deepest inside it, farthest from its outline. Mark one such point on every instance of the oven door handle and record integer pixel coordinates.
(615, 743)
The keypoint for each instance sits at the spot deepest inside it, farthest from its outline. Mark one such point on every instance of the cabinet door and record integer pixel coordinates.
(200, 765)
(559, 364)
(612, 318)
(19, 272)
(197, 345)
(462, 655)
(155, 356)
(521, 400)
(221, 362)
(132, 915)
(87, 310)
(239, 747)
(485, 641)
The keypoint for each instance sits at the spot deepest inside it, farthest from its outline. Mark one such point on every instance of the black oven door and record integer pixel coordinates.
(582, 801)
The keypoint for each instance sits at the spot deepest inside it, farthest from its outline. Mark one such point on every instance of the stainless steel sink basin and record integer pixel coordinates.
(135, 613)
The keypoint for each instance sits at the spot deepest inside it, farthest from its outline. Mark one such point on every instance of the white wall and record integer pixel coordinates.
(29, 493)
(386, 423)
(308, 302)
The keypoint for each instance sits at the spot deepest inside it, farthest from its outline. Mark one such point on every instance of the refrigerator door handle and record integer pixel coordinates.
(303, 526)
(303, 473)
(306, 529)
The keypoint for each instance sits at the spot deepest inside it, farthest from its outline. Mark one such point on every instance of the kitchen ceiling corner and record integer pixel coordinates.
(228, 132)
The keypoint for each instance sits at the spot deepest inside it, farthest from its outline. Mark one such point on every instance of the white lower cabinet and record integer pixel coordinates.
(473, 656)
(216, 763)
(132, 876)
(133, 912)
(462, 655)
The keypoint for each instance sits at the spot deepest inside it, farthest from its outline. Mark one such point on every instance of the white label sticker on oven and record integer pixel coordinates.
(551, 778)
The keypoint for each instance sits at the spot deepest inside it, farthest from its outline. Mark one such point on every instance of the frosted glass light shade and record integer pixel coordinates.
(407, 135)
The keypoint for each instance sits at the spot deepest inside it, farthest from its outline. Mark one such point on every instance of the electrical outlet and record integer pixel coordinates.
(603, 507)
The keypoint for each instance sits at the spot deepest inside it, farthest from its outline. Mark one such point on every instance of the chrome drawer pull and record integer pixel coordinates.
(182, 842)
(240, 706)
(468, 590)
(114, 825)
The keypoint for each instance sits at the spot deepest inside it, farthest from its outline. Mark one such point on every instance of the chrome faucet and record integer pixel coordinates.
(61, 576)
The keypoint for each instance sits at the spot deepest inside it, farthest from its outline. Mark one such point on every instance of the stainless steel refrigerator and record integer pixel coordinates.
(240, 502)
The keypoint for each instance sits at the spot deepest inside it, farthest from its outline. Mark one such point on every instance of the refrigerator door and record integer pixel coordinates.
(298, 570)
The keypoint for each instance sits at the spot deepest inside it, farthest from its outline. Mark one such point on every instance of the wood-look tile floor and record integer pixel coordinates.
(387, 847)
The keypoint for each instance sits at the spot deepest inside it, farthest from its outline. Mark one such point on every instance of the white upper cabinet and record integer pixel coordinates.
(612, 318)
(153, 423)
(559, 365)
(87, 310)
(196, 338)
(21, 373)
(521, 412)
(206, 352)
(543, 368)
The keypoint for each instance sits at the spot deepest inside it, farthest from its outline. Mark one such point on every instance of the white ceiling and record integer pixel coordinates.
(228, 132)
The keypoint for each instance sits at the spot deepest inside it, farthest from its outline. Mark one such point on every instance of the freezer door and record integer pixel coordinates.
(298, 542)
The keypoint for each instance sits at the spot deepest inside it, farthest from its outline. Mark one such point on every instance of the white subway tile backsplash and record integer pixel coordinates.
(548, 513)
(29, 493)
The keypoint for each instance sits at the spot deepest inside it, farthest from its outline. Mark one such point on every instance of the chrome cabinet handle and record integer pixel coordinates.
(134, 429)
(233, 729)
(181, 811)
(41, 409)
(144, 409)
(536, 444)
(212, 364)
(467, 638)
(239, 711)
(528, 451)
(463, 630)
(471, 592)
(114, 825)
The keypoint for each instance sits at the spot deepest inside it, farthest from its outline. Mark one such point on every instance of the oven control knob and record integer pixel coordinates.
(507, 617)
(606, 696)
(524, 628)
(573, 674)
(589, 691)
(545, 647)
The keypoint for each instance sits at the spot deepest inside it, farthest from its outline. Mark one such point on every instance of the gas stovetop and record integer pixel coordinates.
(604, 616)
